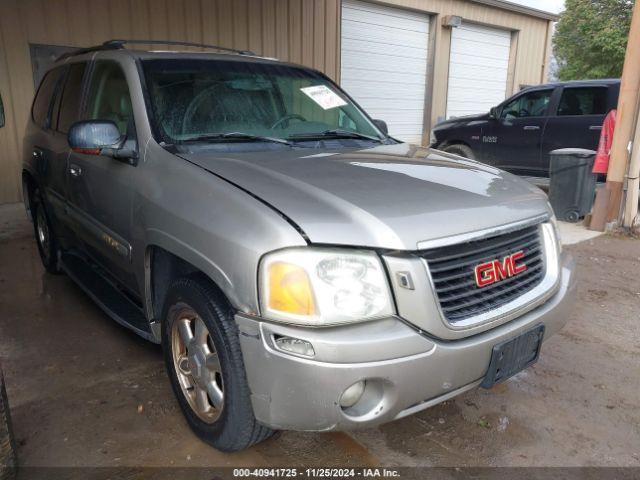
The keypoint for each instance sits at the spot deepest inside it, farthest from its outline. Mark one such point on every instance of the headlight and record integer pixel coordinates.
(432, 137)
(313, 286)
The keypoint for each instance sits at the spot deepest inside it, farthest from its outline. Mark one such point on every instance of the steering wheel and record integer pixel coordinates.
(524, 113)
(194, 105)
(287, 118)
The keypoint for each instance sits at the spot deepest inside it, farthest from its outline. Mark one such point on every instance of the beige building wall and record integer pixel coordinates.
(300, 31)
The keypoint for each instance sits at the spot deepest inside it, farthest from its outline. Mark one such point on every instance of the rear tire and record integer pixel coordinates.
(204, 362)
(46, 240)
(460, 149)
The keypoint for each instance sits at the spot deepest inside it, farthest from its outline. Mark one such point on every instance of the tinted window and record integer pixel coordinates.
(532, 104)
(42, 102)
(109, 97)
(583, 101)
(1, 113)
(71, 97)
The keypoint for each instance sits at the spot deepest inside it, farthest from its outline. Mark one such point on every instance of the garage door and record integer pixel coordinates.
(384, 64)
(478, 68)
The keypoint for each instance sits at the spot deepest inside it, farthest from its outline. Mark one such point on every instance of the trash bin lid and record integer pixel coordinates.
(578, 152)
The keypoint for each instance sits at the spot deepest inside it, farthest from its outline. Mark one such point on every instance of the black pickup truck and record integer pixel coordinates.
(518, 134)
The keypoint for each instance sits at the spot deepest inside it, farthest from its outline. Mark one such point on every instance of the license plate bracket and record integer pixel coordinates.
(513, 356)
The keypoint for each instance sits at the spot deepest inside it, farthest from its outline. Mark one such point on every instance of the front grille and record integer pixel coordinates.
(453, 272)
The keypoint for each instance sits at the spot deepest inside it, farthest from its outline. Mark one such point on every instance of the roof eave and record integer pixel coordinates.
(513, 7)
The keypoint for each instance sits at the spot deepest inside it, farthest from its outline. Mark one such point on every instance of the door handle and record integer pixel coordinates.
(75, 170)
(595, 127)
(531, 127)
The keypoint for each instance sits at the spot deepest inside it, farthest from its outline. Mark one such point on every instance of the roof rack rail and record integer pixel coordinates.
(95, 48)
(119, 44)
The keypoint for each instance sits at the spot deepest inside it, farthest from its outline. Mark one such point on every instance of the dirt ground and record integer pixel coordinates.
(87, 392)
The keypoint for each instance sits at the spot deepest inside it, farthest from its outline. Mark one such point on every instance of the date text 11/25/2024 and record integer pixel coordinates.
(315, 473)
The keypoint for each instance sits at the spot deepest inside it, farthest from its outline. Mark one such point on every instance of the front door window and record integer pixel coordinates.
(109, 97)
(532, 104)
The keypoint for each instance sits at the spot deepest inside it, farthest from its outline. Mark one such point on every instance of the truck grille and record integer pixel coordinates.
(452, 269)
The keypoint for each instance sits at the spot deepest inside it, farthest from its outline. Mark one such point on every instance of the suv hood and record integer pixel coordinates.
(390, 196)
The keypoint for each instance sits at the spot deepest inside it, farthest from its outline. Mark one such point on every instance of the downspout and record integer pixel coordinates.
(630, 217)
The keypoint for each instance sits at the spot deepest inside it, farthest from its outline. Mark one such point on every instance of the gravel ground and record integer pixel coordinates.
(85, 392)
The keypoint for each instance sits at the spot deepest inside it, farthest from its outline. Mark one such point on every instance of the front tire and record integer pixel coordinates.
(204, 362)
(48, 246)
(460, 149)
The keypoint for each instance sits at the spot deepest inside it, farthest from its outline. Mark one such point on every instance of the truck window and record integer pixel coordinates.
(71, 97)
(42, 103)
(532, 104)
(109, 97)
(583, 101)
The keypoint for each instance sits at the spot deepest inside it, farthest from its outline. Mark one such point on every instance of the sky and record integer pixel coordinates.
(553, 6)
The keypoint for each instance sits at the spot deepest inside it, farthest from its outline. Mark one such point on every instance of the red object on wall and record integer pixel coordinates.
(601, 164)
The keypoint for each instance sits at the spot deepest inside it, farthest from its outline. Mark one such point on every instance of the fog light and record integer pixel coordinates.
(294, 345)
(352, 394)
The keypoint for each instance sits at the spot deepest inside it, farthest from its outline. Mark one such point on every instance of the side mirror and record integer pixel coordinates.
(99, 137)
(92, 136)
(493, 113)
(382, 126)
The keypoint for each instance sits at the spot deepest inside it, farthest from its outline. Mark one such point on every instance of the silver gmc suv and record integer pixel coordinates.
(301, 268)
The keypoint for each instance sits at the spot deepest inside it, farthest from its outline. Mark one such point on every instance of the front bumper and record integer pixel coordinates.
(405, 371)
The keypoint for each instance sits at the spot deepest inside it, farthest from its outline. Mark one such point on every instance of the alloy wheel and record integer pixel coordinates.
(197, 365)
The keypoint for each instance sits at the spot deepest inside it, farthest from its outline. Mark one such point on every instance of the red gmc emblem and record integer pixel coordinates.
(496, 270)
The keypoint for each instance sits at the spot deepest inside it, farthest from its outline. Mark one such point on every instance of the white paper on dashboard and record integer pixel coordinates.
(324, 96)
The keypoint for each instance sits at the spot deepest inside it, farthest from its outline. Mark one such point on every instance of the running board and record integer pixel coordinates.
(106, 295)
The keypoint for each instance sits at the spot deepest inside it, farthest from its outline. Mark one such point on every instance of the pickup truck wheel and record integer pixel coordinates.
(460, 149)
(204, 361)
(45, 237)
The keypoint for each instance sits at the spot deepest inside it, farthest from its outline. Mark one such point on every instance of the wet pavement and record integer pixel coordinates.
(86, 392)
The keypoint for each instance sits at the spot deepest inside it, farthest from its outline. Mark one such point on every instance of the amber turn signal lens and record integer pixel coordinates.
(290, 289)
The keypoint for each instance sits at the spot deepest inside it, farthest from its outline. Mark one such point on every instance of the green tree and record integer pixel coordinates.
(591, 38)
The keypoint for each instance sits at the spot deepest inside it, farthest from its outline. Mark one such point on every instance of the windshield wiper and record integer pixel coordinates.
(238, 136)
(333, 133)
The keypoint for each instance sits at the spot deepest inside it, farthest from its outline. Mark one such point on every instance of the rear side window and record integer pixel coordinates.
(71, 97)
(42, 102)
(583, 101)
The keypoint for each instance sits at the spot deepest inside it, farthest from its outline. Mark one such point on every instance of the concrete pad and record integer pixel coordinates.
(572, 233)
(13, 221)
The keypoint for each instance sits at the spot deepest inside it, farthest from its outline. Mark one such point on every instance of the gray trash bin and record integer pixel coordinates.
(572, 185)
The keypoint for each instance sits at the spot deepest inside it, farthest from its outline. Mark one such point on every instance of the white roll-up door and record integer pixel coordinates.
(384, 64)
(478, 69)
